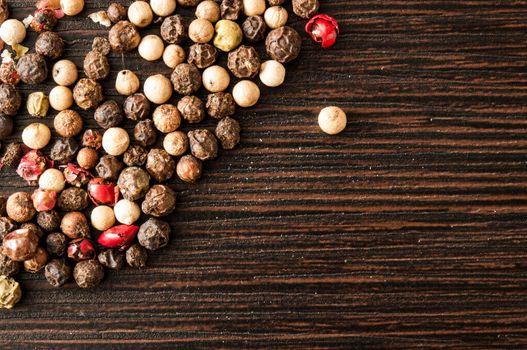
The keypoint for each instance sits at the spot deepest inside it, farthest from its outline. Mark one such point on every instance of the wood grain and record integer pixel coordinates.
(407, 231)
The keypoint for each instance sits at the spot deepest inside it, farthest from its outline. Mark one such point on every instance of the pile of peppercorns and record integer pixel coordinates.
(48, 229)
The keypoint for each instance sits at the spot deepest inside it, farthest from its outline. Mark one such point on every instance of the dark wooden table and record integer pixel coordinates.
(406, 231)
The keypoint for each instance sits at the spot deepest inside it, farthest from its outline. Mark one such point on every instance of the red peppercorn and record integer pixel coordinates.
(75, 175)
(32, 164)
(81, 249)
(323, 29)
(120, 236)
(103, 192)
(44, 200)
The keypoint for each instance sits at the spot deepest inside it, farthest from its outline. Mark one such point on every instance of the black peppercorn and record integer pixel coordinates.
(101, 45)
(160, 164)
(305, 8)
(111, 259)
(57, 272)
(64, 150)
(136, 256)
(75, 225)
(188, 168)
(56, 243)
(202, 55)
(133, 183)
(220, 105)
(160, 200)
(108, 115)
(6, 225)
(124, 37)
(203, 144)
(154, 234)
(186, 79)
(88, 273)
(50, 45)
(8, 267)
(228, 132)
(10, 99)
(135, 155)
(6, 126)
(32, 68)
(73, 199)
(96, 65)
(283, 44)
(191, 109)
(12, 155)
(173, 29)
(145, 133)
(48, 220)
(109, 167)
(87, 94)
(136, 107)
(231, 9)
(244, 62)
(116, 12)
(254, 29)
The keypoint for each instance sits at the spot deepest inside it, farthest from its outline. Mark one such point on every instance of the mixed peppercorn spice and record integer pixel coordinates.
(118, 175)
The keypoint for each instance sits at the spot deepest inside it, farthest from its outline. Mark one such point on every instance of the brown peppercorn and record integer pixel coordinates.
(111, 259)
(6, 225)
(68, 123)
(116, 12)
(145, 133)
(154, 234)
(101, 45)
(96, 65)
(87, 94)
(166, 118)
(10, 99)
(231, 9)
(283, 44)
(8, 267)
(173, 29)
(87, 158)
(124, 37)
(49, 44)
(75, 225)
(34, 228)
(160, 200)
(109, 167)
(8, 73)
(186, 79)
(37, 262)
(136, 256)
(135, 155)
(48, 220)
(191, 109)
(6, 126)
(64, 150)
(133, 183)
(32, 68)
(203, 144)
(160, 165)
(305, 8)
(137, 107)
(220, 105)
(19, 207)
(108, 115)
(189, 168)
(12, 155)
(92, 138)
(88, 273)
(20, 244)
(244, 62)
(254, 29)
(56, 243)
(73, 199)
(228, 132)
(202, 55)
(57, 272)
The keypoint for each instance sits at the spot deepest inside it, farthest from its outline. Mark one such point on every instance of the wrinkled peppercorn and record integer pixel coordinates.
(283, 44)
(43, 20)
(6, 126)
(56, 243)
(12, 155)
(19, 207)
(173, 29)
(160, 200)
(254, 29)
(133, 183)
(135, 155)
(231, 9)
(88, 273)
(145, 133)
(160, 164)
(32, 68)
(92, 138)
(10, 99)
(191, 109)
(108, 114)
(20, 244)
(57, 272)
(111, 259)
(10, 292)
(166, 118)
(8, 73)
(73, 199)
(34, 228)
(154, 234)
(109, 167)
(220, 105)
(37, 262)
(116, 12)
(75, 225)
(186, 79)
(136, 256)
(244, 62)
(202, 55)
(96, 65)
(101, 45)
(8, 267)
(64, 150)
(136, 107)
(50, 45)
(124, 37)
(87, 94)
(188, 168)
(305, 8)
(48, 220)
(228, 132)
(6, 225)
(203, 144)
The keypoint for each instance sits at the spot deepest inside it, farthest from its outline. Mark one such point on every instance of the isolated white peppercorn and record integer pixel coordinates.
(272, 73)
(163, 8)
(246, 93)
(151, 47)
(275, 17)
(51, 179)
(253, 7)
(102, 217)
(174, 55)
(140, 14)
(158, 88)
(216, 78)
(126, 82)
(209, 10)
(60, 98)
(72, 7)
(115, 141)
(12, 32)
(126, 211)
(332, 120)
(65, 73)
(201, 31)
(36, 135)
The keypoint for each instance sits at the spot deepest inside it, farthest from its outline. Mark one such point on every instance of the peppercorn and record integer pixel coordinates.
(160, 165)
(127, 212)
(160, 200)
(88, 273)
(216, 79)
(109, 167)
(323, 29)
(124, 37)
(108, 114)
(37, 262)
(154, 234)
(140, 14)
(44, 200)
(332, 120)
(32, 164)
(186, 79)
(151, 48)
(8, 73)
(87, 93)
(283, 44)
(275, 17)
(87, 158)
(133, 183)
(188, 168)
(272, 73)
(191, 109)
(145, 133)
(173, 55)
(36, 135)
(96, 65)
(116, 12)
(202, 55)
(203, 144)
(50, 45)
(244, 62)
(73, 199)
(8, 267)
(101, 45)
(102, 192)
(60, 98)
(6, 126)
(228, 35)
(12, 32)
(173, 29)
(135, 155)
(19, 207)
(228, 132)
(208, 10)
(68, 123)
(56, 243)
(6, 225)
(92, 138)
(136, 256)
(4, 11)
(20, 244)
(75, 225)
(175, 143)
(64, 150)
(57, 272)
(12, 154)
(64, 73)
(32, 68)
(200, 31)
(126, 82)
(231, 9)
(220, 105)
(136, 107)
(166, 118)
(81, 249)
(37, 104)
(254, 29)
(102, 217)
(111, 259)
(305, 8)
(115, 141)
(157, 89)
(163, 8)
(49, 220)
(33, 228)
(246, 93)
(51, 179)
(10, 99)
(10, 292)
(72, 7)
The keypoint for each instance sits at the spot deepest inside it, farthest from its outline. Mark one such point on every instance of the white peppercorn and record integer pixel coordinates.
(176, 143)
(173, 55)
(216, 78)
(12, 32)
(166, 118)
(126, 211)
(102, 217)
(51, 179)
(201, 31)
(36, 135)
(272, 73)
(151, 48)
(276, 17)
(140, 14)
(246, 93)
(126, 82)
(209, 10)
(60, 98)
(65, 73)
(253, 7)
(115, 141)
(332, 120)
(158, 89)
(163, 8)
(72, 7)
